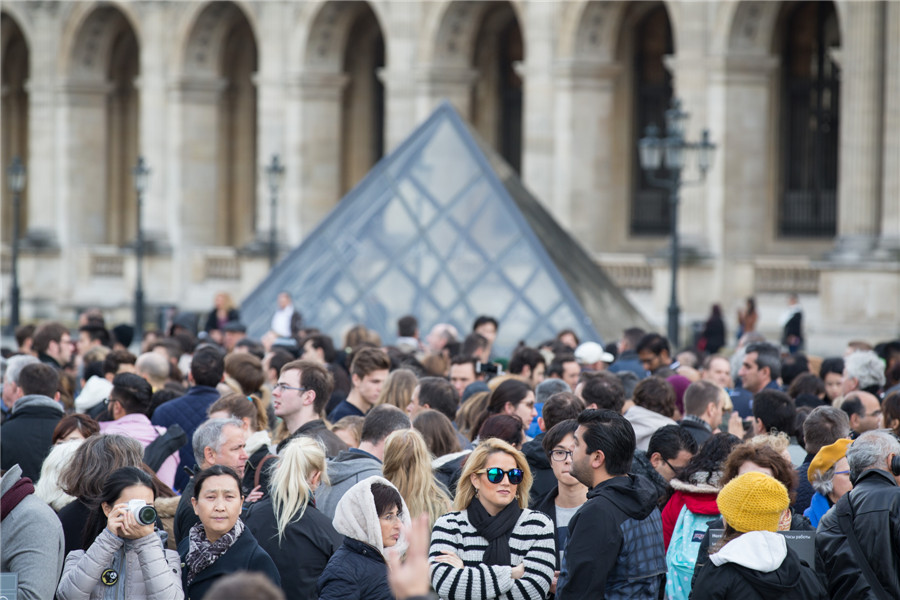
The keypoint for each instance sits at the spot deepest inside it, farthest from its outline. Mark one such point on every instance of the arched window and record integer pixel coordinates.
(14, 117)
(652, 96)
(809, 122)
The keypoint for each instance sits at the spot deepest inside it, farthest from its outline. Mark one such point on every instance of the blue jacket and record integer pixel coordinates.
(817, 509)
(244, 555)
(629, 361)
(357, 571)
(189, 411)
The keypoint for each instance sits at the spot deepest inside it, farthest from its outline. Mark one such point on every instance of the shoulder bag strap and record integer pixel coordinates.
(845, 521)
(259, 467)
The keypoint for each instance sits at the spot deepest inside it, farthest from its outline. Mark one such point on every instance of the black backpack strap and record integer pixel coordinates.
(157, 451)
(845, 521)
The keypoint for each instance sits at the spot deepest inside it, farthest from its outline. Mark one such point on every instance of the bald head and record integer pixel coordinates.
(154, 368)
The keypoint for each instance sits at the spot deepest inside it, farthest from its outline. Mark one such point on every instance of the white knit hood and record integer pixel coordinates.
(356, 517)
(95, 391)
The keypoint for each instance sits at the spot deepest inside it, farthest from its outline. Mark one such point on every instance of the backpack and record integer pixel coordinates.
(157, 451)
(681, 557)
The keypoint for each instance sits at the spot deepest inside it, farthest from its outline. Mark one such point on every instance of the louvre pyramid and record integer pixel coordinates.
(443, 229)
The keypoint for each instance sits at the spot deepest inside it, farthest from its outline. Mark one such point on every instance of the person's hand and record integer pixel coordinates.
(123, 524)
(450, 559)
(253, 496)
(736, 424)
(518, 571)
(412, 578)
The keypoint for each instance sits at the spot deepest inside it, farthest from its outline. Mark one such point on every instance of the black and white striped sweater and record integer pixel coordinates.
(532, 541)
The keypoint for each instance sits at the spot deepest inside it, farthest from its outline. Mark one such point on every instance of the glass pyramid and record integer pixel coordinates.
(442, 228)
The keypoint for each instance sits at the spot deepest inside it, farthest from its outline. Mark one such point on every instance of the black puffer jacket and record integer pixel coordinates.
(875, 501)
(544, 479)
(357, 571)
(27, 434)
(791, 580)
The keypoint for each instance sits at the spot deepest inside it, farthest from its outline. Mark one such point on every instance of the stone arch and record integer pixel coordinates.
(753, 27)
(14, 106)
(342, 60)
(590, 31)
(219, 122)
(101, 64)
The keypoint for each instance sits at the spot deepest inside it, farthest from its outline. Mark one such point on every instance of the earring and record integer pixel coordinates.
(476, 492)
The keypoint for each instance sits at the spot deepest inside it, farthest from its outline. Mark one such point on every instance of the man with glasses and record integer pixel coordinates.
(615, 546)
(300, 397)
(564, 500)
(670, 449)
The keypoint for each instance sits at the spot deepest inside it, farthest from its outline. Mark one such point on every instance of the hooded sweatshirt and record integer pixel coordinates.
(615, 547)
(756, 565)
(346, 470)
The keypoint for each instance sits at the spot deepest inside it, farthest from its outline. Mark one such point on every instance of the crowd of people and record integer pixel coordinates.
(210, 465)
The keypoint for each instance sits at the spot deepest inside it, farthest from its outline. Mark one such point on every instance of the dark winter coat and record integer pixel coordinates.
(791, 580)
(189, 411)
(805, 489)
(641, 465)
(244, 555)
(875, 503)
(544, 479)
(25, 437)
(312, 537)
(615, 547)
(317, 429)
(357, 571)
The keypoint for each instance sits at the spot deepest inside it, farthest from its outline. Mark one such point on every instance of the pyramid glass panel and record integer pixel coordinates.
(441, 229)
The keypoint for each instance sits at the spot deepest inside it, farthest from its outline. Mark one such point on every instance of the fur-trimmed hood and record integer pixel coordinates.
(356, 517)
(697, 483)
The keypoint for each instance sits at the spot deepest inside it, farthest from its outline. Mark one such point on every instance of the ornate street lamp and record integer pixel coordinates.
(274, 173)
(673, 152)
(141, 179)
(15, 175)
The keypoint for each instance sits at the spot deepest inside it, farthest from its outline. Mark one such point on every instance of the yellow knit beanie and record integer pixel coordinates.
(827, 457)
(753, 502)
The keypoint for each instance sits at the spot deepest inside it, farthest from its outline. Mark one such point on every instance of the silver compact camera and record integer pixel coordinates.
(143, 513)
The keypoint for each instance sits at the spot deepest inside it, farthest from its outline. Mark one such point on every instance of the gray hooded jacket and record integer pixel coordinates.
(346, 470)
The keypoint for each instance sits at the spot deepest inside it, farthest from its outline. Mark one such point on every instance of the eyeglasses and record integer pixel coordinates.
(390, 517)
(495, 475)
(561, 455)
(674, 469)
(280, 387)
(842, 472)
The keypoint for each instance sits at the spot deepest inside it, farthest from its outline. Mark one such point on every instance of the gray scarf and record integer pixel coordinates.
(202, 553)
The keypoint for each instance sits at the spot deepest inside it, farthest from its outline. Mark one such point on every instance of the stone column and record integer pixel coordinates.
(889, 244)
(320, 144)
(584, 149)
(399, 75)
(861, 123)
(537, 102)
(451, 83)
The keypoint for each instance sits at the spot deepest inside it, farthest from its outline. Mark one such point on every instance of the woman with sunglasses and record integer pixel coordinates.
(493, 543)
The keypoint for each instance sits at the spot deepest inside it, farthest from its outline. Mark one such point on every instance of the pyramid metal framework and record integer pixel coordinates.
(443, 229)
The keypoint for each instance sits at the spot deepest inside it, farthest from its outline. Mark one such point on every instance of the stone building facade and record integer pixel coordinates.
(801, 98)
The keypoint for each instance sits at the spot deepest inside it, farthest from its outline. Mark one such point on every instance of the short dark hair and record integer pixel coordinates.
(767, 355)
(633, 336)
(612, 434)
(369, 360)
(556, 434)
(669, 440)
(473, 343)
(322, 342)
(315, 377)
(834, 364)
(280, 358)
(776, 410)
(386, 497)
(213, 471)
(792, 366)
(525, 356)
(439, 394)
(246, 370)
(381, 421)
(23, 332)
(556, 366)
(116, 359)
(824, 426)
(484, 319)
(39, 379)
(133, 392)
(561, 406)
(806, 383)
(699, 395)
(654, 343)
(853, 406)
(407, 326)
(46, 333)
(208, 366)
(656, 394)
(605, 390)
(97, 333)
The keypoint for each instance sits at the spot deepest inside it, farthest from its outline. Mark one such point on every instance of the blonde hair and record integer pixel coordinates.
(470, 413)
(241, 406)
(477, 460)
(289, 485)
(398, 388)
(352, 424)
(407, 464)
(778, 441)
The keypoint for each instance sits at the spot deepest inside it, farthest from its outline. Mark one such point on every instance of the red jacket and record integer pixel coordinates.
(699, 499)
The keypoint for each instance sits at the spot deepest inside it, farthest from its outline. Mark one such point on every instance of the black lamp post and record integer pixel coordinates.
(141, 179)
(672, 151)
(15, 174)
(274, 172)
